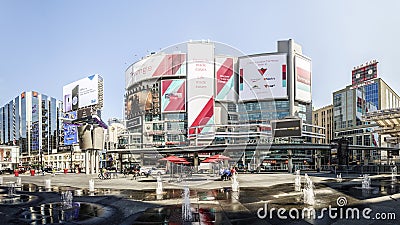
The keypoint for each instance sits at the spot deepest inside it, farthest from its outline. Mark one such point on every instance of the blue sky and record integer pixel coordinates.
(46, 44)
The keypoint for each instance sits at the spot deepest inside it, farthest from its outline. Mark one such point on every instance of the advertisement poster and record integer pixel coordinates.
(200, 89)
(365, 72)
(224, 79)
(262, 77)
(81, 93)
(303, 79)
(173, 96)
(70, 130)
(156, 65)
(137, 102)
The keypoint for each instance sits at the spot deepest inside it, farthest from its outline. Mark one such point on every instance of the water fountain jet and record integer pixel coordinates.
(91, 185)
(186, 209)
(308, 191)
(394, 173)
(366, 182)
(159, 189)
(339, 178)
(47, 184)
(235, 183)
(297, 181)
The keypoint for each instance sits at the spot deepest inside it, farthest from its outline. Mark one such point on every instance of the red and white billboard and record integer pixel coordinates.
(364, 72)
(303, 78)
(262, 77)
(173, 95)
(156, 65)
(200, 89)
(224, 79)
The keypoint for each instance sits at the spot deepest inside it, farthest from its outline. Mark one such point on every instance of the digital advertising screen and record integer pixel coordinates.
(262, 77)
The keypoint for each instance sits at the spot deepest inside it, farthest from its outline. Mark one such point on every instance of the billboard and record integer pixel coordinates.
(137, 101)
(82, 93)
(70, 130)
(286, 128)
(262, 77)
(224, 79)
(173, 96)
(156, 65)
(200, 88)
(303, 78)
(364, 72)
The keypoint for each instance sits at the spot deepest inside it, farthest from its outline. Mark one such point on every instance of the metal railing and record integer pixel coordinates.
(363, 169)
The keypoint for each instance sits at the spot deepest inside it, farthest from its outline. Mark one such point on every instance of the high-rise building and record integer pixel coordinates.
(323, 117)
(197, 88)
(367, 93)
(32, 122)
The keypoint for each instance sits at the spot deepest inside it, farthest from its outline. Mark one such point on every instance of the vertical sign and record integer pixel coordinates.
(303, 79)
(224, 79)
(200, 91)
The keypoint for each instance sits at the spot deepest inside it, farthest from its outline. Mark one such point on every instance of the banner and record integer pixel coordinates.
(262, 77)
(224, 79)
(173, 96)
(200, 89)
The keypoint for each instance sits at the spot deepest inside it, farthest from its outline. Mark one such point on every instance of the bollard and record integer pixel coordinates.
(91, 185)
(1, 180)
(47, 184)
(19, 182)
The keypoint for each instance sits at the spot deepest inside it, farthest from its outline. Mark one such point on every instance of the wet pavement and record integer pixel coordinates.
(126, 201)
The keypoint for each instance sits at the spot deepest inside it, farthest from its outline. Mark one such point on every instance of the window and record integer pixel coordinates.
(359, 140)
(367, 140)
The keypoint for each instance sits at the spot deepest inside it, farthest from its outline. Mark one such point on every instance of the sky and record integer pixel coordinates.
(45, 45)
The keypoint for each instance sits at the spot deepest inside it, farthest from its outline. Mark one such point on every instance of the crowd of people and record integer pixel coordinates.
(227, 173)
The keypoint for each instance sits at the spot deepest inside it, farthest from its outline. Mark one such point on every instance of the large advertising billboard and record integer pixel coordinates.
(70, 130)
(262, 77)
(303, 79)
(173, 96)
(81, 93)
(224, 79)
(364, 72)
(156, 65)
(200, 88)
(137, 101)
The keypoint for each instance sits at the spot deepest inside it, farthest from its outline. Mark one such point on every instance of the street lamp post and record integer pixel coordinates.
(72, 148)
(41, 161)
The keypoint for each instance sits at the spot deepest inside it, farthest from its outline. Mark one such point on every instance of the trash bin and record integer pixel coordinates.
(32, 172)
(16, 173)
(65, 171)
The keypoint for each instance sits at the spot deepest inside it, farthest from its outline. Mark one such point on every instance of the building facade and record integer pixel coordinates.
(367, 93)
(32, 122)
(191, 92)
(323, 117)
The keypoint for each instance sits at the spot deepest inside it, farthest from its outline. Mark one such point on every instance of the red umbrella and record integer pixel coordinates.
(176, 159)
(219, 157)
(182, 162)
(172, 158)
(209, 160)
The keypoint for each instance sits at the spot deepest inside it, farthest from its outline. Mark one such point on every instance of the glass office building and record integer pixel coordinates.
(349, 106)
(31, 121)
